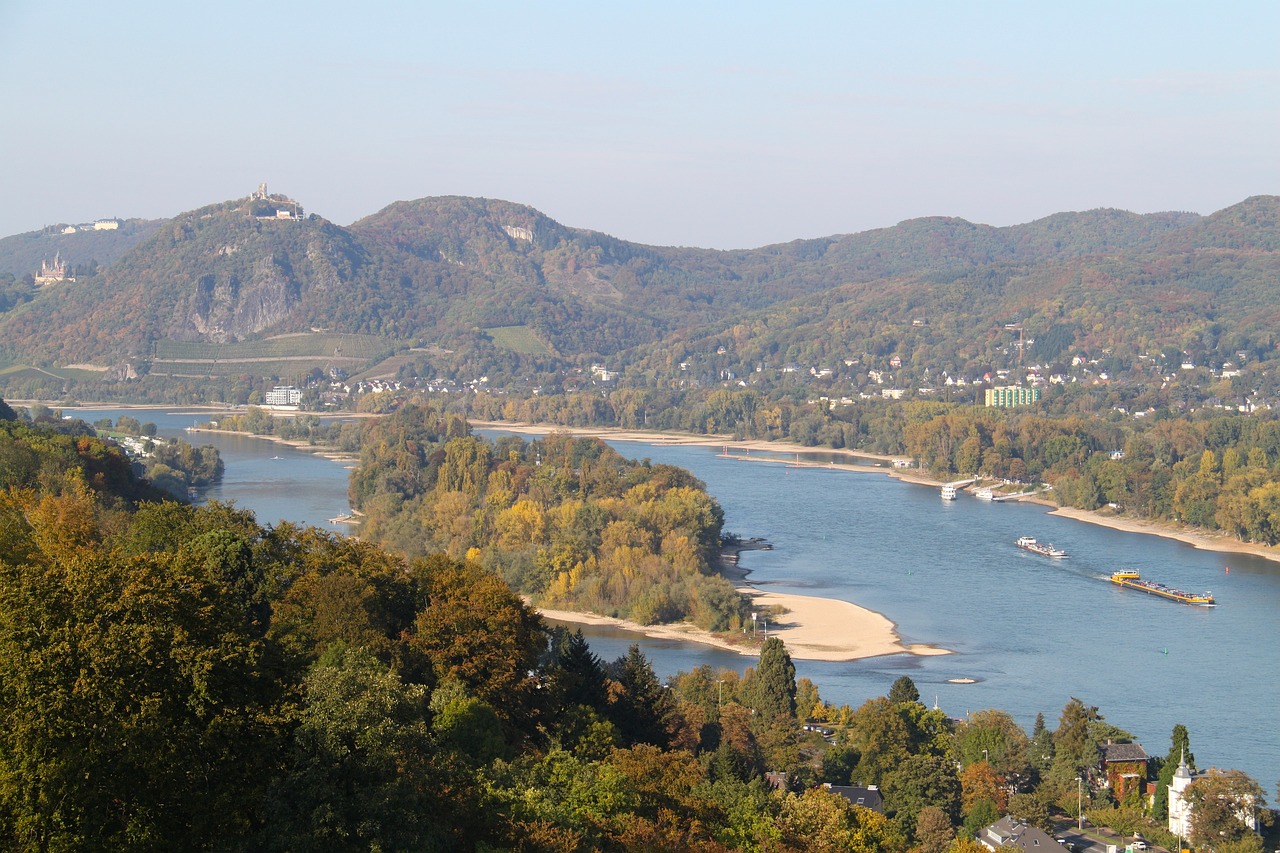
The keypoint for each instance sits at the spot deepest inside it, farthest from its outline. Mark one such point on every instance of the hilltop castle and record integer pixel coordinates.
(284, 207)
(51, 272)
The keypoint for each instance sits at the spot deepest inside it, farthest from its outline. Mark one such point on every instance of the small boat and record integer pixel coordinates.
(1132, 580)
(984, 494)
(948, 493)
(1044, 549)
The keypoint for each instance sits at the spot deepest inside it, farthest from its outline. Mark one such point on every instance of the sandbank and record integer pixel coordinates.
(298, 444)
(817, 629)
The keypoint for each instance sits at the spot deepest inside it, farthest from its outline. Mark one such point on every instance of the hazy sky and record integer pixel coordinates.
(718, 124)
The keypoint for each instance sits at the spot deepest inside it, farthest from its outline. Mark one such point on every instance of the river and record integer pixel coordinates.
(1030, 632)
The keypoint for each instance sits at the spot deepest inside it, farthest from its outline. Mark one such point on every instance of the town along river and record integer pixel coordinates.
(1031, 632)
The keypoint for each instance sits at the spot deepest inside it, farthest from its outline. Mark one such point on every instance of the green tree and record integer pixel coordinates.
(822, 821)
(464, 727)
(644, 709)
(882, 738)
(1179, 750)
(359, 773)
(993, 736)
(773, 689)
(1222, 801)
(1075, 749)
(136, 688)
(922, 780)
(473, 628)
(904, 690)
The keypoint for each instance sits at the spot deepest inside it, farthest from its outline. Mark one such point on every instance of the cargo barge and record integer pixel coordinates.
(1044, 549)
(1132, 580)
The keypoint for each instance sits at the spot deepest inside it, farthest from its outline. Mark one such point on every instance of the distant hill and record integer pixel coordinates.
(941, 294)
(494, 282)
(22, 254)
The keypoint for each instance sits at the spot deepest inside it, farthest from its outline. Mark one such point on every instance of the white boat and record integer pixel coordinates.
(948, 493)
(984, 494)
(1044, 549)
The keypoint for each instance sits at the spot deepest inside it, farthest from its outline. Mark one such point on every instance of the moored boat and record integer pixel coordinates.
(948, 493)
(1132, 580)
(1044, 549)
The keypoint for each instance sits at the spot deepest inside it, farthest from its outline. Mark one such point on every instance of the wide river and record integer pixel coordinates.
(1030, 631)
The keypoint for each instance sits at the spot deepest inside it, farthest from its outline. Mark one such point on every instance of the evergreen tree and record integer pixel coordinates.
(1179, 750)
(1074, 746)
(774, 687)
(576, 674)
(1040, 750)
(904, 690)
(643, 711)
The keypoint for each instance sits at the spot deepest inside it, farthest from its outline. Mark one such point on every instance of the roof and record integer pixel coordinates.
(1123, 752)
(868, 798)
(1008, 831)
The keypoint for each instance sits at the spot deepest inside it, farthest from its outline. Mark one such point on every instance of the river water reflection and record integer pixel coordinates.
(1029, 631)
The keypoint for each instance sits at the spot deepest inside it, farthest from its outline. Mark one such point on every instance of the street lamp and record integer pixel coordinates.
(1080, 802)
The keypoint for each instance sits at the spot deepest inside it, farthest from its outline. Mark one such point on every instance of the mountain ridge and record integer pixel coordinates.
(442, 270)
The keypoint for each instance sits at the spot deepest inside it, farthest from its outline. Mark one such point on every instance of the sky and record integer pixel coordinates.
(712, 124)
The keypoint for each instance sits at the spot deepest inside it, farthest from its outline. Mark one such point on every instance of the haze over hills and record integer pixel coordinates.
(458, 275)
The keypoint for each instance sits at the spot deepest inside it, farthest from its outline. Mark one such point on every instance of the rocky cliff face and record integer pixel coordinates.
(217, 275)
(227, 308)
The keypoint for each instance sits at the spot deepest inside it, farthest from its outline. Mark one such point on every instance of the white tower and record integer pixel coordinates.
(1179, 808)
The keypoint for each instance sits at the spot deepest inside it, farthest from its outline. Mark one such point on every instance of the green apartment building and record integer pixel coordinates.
(1007, 396)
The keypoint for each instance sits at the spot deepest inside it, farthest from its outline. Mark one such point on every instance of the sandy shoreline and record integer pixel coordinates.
(817, 629)
(1203, 541)
(820, 629)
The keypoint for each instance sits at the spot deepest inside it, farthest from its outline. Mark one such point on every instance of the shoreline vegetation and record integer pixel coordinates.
(816, 629)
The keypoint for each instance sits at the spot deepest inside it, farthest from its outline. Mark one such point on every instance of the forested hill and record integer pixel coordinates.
(945, 294)
(445, 273)
(22, 254)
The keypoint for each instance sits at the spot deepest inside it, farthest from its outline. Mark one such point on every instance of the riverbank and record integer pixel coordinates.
(1204, 540)
(1198, 539)
(815, 629)
(297, 444)
(734, 447)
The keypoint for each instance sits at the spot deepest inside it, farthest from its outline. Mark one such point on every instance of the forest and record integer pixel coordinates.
(179, 677)
(567, 521)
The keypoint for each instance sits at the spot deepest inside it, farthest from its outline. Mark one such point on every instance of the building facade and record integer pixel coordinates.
(1008, 396)
(283, 395)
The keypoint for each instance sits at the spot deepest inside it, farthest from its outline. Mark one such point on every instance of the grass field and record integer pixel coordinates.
(284, 355)
(521, 339)
(318, 345)
(20, 372)
(293, 366)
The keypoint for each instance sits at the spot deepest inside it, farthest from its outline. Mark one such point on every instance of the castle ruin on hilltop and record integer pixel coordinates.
(264, 205)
